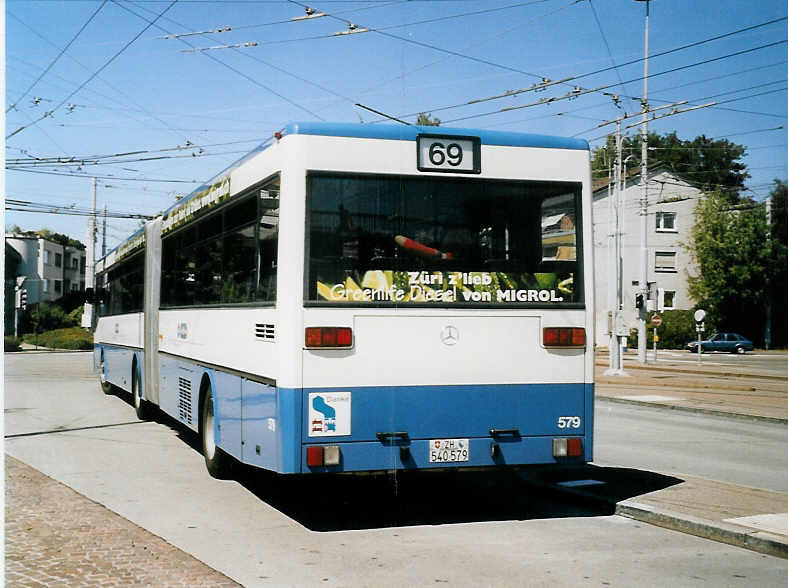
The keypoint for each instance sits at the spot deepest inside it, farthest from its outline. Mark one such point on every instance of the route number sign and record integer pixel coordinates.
(450, 154)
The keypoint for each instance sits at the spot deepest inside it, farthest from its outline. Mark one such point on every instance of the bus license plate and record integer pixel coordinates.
(449, 450)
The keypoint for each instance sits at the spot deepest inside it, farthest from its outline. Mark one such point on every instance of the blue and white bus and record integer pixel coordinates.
(360, 298)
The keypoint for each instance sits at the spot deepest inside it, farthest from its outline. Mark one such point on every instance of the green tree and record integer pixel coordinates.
(710, 164)
(778, 255)
(49, 235)
(729, 247)
(426, 120)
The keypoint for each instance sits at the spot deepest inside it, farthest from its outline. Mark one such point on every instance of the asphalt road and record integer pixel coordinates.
(421, 530)
(744, 452)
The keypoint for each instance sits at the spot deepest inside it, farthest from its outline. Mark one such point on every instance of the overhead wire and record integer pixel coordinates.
(607, 45)
(74, 158)
(98, 71)
(58, 56)
(105, 177)
(125, 111)
(572, 78)
(476, 43)
(72, 210)
(287, 72)
(233, 69)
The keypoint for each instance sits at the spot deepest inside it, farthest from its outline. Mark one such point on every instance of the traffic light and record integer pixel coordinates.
(639, 300)
(23, 299)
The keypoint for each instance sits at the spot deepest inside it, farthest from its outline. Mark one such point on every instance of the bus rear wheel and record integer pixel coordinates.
(141, 407)
(217, 461)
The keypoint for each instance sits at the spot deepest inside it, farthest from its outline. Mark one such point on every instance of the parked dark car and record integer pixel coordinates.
(729, 342)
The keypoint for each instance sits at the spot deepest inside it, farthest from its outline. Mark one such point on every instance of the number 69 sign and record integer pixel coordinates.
(442, 153)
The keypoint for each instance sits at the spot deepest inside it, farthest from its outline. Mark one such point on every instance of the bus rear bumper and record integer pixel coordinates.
(414, 454)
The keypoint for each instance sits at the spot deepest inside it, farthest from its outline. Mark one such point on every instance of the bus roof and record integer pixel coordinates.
(411, 132)
(394, 133)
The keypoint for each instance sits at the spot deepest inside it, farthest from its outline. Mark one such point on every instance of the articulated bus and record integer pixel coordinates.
(366, 298)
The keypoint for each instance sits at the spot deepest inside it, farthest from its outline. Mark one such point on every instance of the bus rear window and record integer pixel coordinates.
(391, 240)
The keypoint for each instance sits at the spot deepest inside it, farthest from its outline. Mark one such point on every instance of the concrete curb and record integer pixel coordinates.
(50, 350)
(722, 532)
(694, 410)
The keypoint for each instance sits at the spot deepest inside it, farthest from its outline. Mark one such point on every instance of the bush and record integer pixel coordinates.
(46, 317)
(677, 329)
(12, 344)
(70, 338)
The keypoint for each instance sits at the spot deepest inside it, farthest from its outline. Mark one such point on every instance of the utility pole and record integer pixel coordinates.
(767, 330)
(614, 277)
(643, 281)
(90, 260)
(104, 233)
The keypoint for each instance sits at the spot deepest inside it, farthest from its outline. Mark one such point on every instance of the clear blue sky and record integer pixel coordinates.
(109, 93)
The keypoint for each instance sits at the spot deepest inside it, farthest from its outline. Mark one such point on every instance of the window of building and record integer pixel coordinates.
(58, 260)
(58, 286)
(75, 263)
(670, 297)
(45, 286)
(46, 257)
(666, 222)
(665, 261)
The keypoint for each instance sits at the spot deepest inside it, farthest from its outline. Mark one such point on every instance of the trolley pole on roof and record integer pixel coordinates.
(90, 260)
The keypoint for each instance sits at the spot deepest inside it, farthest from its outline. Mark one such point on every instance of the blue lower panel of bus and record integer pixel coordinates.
(372, 425)
(376, 428)
(118, 365)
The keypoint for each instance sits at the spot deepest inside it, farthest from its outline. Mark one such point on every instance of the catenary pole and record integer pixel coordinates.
(90, 259)
(614, 256)
(643, 281)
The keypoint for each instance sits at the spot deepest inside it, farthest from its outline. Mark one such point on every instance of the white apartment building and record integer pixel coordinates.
(671, 206)
(50, 269)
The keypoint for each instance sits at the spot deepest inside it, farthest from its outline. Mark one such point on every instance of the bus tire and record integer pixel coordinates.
(141, 406)
(217, 462)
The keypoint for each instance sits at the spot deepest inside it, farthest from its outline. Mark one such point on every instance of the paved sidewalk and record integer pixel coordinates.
(57, 537)
(712, 389)
(747, 517)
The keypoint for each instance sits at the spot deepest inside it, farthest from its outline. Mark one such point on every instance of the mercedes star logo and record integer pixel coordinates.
(450, 335)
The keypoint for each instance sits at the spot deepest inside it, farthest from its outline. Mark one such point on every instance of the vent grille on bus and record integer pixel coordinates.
(265, 332)
(185, 400)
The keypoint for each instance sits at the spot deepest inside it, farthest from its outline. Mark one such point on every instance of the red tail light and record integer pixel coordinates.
(564, 337)
(328, 338)
(314, 456)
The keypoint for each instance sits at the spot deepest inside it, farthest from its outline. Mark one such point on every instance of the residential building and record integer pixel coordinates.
(50, 270)
(671, 206)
